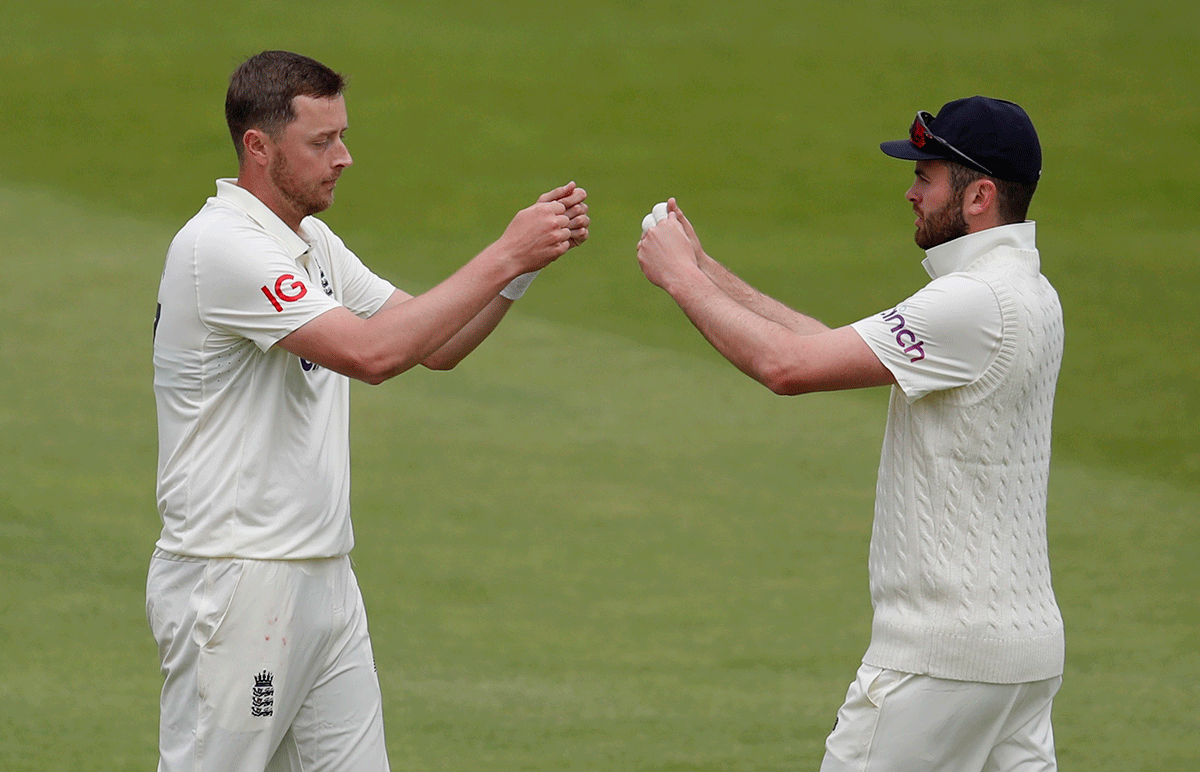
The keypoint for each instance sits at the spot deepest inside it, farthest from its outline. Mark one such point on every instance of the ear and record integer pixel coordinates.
(256, 145)
(980, 199)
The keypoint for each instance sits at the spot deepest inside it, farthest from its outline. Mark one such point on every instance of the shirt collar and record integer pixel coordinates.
(959, 253)
(233, 194)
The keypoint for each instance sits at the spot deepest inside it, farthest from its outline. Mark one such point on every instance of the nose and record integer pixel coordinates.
(343, 157)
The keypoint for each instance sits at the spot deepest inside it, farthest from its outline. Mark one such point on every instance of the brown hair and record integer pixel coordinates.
(261, 91)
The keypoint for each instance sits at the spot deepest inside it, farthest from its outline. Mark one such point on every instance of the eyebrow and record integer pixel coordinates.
(328, 133)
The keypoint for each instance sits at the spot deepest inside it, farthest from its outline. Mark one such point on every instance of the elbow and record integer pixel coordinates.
(374, 370)
(373, 379)
(440, 363)
(369, 374)
(782, 387)
(781, 378)
(377, 367)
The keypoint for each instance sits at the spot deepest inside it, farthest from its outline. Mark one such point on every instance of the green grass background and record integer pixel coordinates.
(595, 545)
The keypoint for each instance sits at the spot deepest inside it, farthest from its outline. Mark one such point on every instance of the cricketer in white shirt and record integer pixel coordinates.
(254, 456)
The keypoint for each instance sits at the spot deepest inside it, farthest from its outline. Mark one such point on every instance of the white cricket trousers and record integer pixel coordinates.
(267, 665)
(900, 722)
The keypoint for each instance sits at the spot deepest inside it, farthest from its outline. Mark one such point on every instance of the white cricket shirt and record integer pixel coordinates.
(254, 453)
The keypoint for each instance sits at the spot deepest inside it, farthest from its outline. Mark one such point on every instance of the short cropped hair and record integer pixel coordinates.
(261, 91)
(1012, 198)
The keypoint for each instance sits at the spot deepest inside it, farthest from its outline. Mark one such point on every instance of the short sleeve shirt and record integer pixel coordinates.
(253, 441)
(949, 332)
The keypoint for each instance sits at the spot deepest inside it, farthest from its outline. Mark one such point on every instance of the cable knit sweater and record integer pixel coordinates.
(960, 575)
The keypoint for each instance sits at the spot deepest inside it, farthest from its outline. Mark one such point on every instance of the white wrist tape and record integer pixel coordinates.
(516, 288)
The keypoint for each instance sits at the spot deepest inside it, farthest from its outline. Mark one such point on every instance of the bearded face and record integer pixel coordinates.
(944, 224)
(307, 194)
(938, 204)
(306, 158)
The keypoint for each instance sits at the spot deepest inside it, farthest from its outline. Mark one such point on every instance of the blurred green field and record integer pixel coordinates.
(595, 545)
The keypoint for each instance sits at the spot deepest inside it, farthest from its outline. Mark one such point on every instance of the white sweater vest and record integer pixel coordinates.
(960, 575)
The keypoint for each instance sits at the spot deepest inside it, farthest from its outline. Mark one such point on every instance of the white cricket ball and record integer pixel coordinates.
(657, 215)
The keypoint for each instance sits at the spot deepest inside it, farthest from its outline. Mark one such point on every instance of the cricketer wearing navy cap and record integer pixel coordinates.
(967, 643)
(974, 138)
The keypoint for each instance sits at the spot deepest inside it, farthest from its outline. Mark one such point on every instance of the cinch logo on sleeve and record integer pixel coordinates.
(904, 336)
(288, 288)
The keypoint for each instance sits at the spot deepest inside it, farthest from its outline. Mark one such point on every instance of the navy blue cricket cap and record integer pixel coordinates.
(988, 135)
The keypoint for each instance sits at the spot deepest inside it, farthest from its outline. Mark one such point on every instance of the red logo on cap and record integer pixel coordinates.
(917, 135)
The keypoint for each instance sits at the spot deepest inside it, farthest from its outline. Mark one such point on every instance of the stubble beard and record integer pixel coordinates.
(941, 226)
(306, 201)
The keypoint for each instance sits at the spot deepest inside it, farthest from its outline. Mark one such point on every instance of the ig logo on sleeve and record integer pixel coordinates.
(288, 289)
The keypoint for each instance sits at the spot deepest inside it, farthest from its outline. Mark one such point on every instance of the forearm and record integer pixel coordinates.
(778, 357)
(464, 308)
(470, 336)
(445, 323)
(406, 330)
(784, 350)
(755, 343)
(753, 300)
